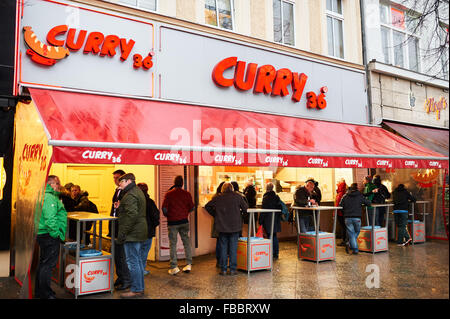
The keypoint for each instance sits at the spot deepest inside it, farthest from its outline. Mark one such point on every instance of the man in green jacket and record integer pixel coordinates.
(51, 232)
(132, 231)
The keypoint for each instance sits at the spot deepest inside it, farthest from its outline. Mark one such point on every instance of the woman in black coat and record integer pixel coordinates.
(271, 200)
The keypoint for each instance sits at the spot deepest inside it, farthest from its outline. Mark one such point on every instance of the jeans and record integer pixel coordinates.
(341, 221)
(183, 230)
(122, 271)
(305, 223)
(48, 257)
(228, 249)
(353, 226)
(379, 215)
(134, 261)
(145, 248)
(401, 220)
(276, 246)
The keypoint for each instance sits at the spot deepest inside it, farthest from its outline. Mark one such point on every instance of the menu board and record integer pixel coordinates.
(166, 176)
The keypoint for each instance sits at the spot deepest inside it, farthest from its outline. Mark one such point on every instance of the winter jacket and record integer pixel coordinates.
(250, 194)
(53, 219)
(301, 199)
(152, 216)
(340, 192)
(382, 194)
(177, 205)
(352, 203)
(368, 191)
(226, 208)
(402, 198)
(270, 200)
(132, 215)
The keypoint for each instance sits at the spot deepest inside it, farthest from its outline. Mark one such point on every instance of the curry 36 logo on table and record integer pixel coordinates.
(62, 41)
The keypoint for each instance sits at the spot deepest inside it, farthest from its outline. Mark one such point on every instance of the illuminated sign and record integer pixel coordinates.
(266, 79)
(95, 43)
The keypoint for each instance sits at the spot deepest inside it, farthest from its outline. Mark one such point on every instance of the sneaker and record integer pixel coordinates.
(408, 242)
(174, 271)
(187, 268)
(401, 245)
(146, 272)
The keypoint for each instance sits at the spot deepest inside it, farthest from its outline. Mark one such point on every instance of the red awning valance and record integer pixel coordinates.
(86, 128)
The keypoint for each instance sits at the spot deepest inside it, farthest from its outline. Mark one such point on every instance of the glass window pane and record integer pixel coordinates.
(329, 5)
(384, 13)
(337, 6)
(386, 44)
(411, 23)
(225, 17)
(288, 23)
(338, 39)
(398, 18)
(413, 54)
(277, 21)
(148, 4)
(330, 36)
(398, 48)
(210, 12)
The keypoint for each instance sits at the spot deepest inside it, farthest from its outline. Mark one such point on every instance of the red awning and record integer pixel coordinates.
(86, 128)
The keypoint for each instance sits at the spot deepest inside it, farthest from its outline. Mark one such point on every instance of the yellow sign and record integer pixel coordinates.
(436, 106)
(2, 177)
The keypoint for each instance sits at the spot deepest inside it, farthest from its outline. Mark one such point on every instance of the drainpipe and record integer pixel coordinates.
(366, 64)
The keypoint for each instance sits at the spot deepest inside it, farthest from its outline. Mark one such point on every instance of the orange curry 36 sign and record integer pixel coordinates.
(94, 43)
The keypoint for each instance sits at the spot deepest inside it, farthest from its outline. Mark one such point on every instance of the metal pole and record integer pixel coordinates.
(374, 212)
(271, 241)
(77, 261)
(250, 219)
(316, 225)
(412, 224)
(113, 230)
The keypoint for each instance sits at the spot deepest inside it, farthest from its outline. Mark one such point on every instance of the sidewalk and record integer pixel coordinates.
(421, 271)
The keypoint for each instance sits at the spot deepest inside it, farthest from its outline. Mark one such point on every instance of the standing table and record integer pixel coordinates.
(92, 273)
(374, 238)
(316, 245)
(255, 253)
(417, 227)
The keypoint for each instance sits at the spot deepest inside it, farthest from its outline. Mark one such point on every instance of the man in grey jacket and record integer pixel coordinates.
(227, 209)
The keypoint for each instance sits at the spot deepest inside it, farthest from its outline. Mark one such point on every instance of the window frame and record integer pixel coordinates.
(405, 46)
(291, 2)
(340, 17)
(217, 17)
(134, 7)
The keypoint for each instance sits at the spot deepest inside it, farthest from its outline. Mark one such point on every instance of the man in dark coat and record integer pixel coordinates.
(132, 231)
(381, 193)
(123, 280)
(351, 205)
(402, 198)
(271, 201)
(305, 196)
(226, 208)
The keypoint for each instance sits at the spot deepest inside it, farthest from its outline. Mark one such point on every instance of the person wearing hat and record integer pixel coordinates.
(132, 231)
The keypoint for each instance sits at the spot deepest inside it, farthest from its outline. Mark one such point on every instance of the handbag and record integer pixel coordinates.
(284, 211)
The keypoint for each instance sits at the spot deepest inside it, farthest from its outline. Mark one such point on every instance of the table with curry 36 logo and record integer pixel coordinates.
(374, 238)
(89, 271)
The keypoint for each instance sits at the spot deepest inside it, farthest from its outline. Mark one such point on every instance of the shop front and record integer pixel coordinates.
(113, 91)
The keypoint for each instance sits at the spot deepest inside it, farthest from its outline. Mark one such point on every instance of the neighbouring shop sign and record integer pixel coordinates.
(62, 44)
(433, 106)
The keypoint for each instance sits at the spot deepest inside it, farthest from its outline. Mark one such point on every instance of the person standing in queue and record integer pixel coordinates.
(51, 232)
(402, 198)
(227, 208)
(123, 280)
(340, 192)
(351, 204)
(152, 217)
(271, 201)
(132, 231)
(381, 193)
(177, 206)
(304, 197)
(369, 192)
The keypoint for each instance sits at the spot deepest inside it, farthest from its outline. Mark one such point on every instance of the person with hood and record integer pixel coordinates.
(271, 201)
(152, 217)
(369, 193)
(51, 232)
(381, 193)
(340, 192)
(132, 231)
(227, 208)
(402, 198)
(351, 204)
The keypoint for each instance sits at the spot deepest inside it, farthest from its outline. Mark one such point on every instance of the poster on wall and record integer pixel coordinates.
(166, 177)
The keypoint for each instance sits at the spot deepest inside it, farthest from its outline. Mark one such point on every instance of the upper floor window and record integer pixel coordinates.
(399, 41)
(335, 22)
(219, 13)
(140, 4)
(283, 21)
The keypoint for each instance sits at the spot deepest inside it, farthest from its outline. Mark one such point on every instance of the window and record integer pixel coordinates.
(219, 13)
(335, 21)
(141, 4)
(283, 22)
(399, 43)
